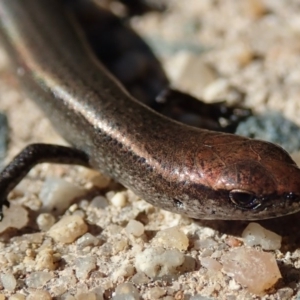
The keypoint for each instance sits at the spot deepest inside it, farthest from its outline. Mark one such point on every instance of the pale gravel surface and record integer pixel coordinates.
(251, 53)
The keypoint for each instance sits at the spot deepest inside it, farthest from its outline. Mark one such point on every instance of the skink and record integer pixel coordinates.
(198, 173)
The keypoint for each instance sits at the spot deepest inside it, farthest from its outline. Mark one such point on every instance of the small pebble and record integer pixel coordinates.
(233, 285)
(256, 270)
(45, 259)
(140, 278)
(16, 216)
(99, 202)
(98, 291)
(285, 293)
(68, 229)
(124, 271)
(233, 241)
(45, 221)
(57, 194)
(38, 295)
(119, 200)
(171, 238)
(135, 228)
(17, 297)
(188, 265)
(126, 291)
(9, 281)
(211, 264)
(204, 244)
(38, 279)
(216, 90)
(87, 240)
(156, 292)
(207, 252)
(200, 74)
(157, 262)
(84, 265)
(254, 234)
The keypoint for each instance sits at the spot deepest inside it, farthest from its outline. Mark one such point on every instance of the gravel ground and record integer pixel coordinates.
(246, 51)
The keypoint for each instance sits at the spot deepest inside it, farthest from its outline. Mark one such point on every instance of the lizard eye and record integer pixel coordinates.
(244, 199)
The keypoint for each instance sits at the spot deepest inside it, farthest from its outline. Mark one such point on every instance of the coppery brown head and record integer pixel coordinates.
(261, 180)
